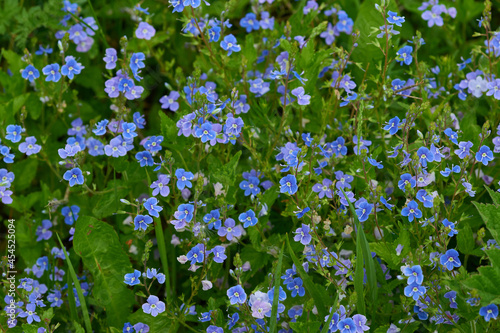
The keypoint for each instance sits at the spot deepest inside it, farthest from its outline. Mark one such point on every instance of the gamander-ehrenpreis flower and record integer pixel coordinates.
(74, 176)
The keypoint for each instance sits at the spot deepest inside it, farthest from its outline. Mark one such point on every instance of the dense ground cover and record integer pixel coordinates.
(250, 166)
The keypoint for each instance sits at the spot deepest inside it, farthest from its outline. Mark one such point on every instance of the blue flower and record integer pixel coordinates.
(154, 306)
(74, 176)
(205, 132)
(230, 230)
(52, 72)
(489, 312)
(288, 184)
(484, 155)
(236, 295)
(453, 136)
(363, 211)
(219, 255)
(214, 34)
(347, 326)
(185, 212)
(100, 127)
(152, 273)
(424, 155)
(30, 313)
(302, 234)
(450, 259)
(152, 207)
(392, 126)
(450, 228)
(192, 3)
(411, 211)
(141, 222)
(414, 290)
(233, 320)
(404, 55)
(183, 178)
(195, 255)
(133, 278)
(213, 219)
(464, 148)
(30, 73)
(296, 287)
(425, 198)
(414, 274)
(137, 61)
(393, 18)
(129, 131)
(230, 44)
(71, 67)
(154, 143)
(44, 50)
(248, 218)
(406, 179)
(144, 158)
(70, 214)
(250, 22)
(14, 133)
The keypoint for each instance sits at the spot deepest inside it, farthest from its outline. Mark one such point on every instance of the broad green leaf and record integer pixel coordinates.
(495, 196)
(465, 240)
(277, 280)
(486, 282)
(102, 254)
(491, 217)
(159, 323)
(308, 283)
(25, 173)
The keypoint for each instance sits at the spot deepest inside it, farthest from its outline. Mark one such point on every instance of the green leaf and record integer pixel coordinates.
(106, 204)
(465, 240)
(495, 196)
(102, 254)
(81, 298)
(366, 253)
(227, 173)
(156, 324)
(308, 284)
(250, 51)
(359, 275)
(486, 282)
(277, 280)
(25, 173)
(491, 217)
(310, 326)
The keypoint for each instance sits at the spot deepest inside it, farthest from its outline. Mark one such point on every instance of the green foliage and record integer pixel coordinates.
(97, 243)
(486, 282)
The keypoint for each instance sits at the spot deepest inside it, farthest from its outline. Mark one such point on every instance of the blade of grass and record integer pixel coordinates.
(160, 241)
(83, 303)
(366, 253)
(326, 327)
(71, 301)
(358, 277)
(277, 279)
(308, 283)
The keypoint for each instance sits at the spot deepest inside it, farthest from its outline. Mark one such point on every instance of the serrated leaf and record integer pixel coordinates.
(486, 282)
(102, 254)
(491, 217)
